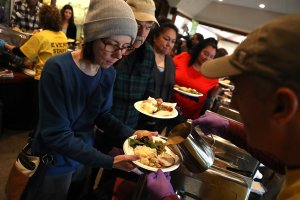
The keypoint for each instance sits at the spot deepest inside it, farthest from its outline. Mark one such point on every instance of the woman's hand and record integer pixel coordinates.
(141, 133)
(123, 162)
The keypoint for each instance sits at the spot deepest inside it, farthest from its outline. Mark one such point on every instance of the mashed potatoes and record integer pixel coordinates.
(148, 107)
(149, 157)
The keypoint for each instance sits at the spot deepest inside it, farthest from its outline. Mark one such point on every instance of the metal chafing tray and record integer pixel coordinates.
(13, 37)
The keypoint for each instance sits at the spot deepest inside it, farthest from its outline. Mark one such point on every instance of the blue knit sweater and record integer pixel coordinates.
(70, 103)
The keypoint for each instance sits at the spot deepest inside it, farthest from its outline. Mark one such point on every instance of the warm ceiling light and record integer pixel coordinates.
(220, 0)
(262, 5)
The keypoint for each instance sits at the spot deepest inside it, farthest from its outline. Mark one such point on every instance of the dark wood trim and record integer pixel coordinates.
(215, 26)
(183, 15)
(224, 28)
(228, 40)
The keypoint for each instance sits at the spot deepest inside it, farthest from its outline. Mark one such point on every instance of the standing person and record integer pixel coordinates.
(45, 44)
(134, 80)
(75, 92)
(68, 24)
(163, 39)
(265, 70)
(188, 74)
(24, 16)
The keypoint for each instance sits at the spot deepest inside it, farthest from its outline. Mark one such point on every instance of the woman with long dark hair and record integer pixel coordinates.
(188, 65)
(68, 24)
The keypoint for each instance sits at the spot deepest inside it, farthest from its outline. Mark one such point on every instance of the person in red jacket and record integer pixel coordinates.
(188, 75)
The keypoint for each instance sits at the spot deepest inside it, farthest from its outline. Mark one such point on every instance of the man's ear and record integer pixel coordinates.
(286, 105)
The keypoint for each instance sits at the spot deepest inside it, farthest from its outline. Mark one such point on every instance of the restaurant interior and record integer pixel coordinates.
(234, 173)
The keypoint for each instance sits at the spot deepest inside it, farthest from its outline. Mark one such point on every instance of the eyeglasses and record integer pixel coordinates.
(114, 48)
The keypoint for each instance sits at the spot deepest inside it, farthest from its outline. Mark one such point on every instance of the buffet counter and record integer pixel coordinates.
(230, 177)
(16, 95)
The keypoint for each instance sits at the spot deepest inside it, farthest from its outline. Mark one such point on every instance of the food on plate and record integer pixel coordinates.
(151, 153)
(156, 107)
(226, 81)
(166, 159)
(187, 89)
(148, 156)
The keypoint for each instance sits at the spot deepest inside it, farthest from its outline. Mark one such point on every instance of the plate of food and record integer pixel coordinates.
(156, 108)
(154, 154)
(226, 83)
(187, 91)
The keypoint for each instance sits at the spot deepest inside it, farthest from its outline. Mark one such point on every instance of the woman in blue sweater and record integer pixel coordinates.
(75, 94)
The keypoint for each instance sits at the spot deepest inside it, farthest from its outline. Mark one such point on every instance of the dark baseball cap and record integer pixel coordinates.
(271, 51)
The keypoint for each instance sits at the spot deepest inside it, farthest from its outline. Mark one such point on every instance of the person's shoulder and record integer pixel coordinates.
(60, 58)
(184, 56)
(109, 74)
(147, 46)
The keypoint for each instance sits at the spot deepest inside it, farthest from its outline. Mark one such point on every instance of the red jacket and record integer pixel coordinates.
(188, 76)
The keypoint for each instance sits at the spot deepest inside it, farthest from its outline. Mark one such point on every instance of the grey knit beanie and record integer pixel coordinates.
(109, 17)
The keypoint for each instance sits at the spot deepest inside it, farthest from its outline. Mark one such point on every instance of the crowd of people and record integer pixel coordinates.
(86, 97)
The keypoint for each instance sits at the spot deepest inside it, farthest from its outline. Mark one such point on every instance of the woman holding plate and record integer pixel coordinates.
(188, 75)
(75, 93)
(163, 39)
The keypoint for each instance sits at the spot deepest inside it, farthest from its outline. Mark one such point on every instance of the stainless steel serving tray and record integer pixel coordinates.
(13, 37)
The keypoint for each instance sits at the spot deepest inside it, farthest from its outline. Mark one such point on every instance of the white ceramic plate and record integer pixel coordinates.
(174, 112)
(70, 40)
(187, 93)
(128, 150)
(230, 86)
(29, 72)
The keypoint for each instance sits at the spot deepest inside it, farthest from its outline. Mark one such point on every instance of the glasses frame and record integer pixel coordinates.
(115, 47)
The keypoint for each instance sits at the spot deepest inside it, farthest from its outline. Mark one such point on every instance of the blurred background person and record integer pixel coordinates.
(68, 24)
(45, 44)
(24, 16)
(42, 45)
(188, 65)
(196, 38)
(3, 19)
(213, 94)
(221, 52)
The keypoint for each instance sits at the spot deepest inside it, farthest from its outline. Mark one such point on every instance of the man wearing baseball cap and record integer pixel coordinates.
(134, 79)
(265, 69)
